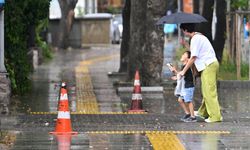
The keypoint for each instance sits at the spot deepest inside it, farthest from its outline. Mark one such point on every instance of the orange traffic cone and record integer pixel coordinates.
(63, 86)
(63, 142)
(136, 105)
(63, 123)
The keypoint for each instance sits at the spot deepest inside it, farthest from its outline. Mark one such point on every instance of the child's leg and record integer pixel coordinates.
(188, 100)
(183, 106)
(191, 108)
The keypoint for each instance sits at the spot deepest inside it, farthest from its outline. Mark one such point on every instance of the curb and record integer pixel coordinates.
(143, 89)
(233, 84)
(116, 74)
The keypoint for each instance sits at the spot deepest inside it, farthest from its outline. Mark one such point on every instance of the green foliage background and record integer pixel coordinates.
(242, 4)
(20, 15)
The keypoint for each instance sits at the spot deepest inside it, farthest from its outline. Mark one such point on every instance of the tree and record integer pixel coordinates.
(125, 37)
(153, 54)
(137, 36)
(172, 5)
(146, 40)
(206, 28)
(196, 6)
(66, 22)
(220, 34)
(21, 19)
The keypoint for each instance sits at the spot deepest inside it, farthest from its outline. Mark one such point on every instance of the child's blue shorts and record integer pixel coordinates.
(189, 94)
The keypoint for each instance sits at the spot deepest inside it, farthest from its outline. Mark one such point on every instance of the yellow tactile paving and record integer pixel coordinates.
(98, 59)
(94, 113)
(159, 132)
(81, 69)
(85, 96)
(163, 141)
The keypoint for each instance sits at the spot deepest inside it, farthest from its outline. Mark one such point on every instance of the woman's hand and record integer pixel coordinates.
(180, 74)
(174, 77)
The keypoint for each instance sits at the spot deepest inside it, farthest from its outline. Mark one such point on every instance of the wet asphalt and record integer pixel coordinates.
(30, 126)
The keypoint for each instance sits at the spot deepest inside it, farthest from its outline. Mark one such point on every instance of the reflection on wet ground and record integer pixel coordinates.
(235, 100)
(35, 141)
(163, 110)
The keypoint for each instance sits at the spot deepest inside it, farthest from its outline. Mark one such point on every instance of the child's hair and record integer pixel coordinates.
(188, 53)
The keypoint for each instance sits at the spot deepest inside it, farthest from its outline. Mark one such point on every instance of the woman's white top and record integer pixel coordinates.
(201, 47)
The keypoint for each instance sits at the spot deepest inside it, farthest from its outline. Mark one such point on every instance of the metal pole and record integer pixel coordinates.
(2, 67)
(248, 50)
(228, 18)
(179, 31)
(5, 82)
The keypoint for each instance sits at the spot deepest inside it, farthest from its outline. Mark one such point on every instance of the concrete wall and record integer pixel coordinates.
(84, 31)
(95, 31)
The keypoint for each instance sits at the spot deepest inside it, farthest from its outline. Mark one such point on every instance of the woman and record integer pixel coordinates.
(204, 58)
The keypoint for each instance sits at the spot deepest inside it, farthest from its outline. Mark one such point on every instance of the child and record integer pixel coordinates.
(186, 96)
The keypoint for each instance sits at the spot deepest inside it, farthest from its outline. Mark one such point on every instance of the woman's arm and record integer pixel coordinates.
(187, 66)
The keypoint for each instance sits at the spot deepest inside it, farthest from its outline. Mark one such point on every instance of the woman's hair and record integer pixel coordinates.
(189, 27)
(188, 53)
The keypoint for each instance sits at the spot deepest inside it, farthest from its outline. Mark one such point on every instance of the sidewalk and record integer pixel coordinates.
(97, 111)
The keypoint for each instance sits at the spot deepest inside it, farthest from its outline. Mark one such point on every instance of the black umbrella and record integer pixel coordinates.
(181, 17)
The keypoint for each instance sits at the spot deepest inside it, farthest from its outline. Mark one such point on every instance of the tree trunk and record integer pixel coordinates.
(137, 36)
(220, 35)
(66, 22)
(172, 5)
(146, 40)
(196, 5)
(125, 37)
(153, 53)
(206, 28)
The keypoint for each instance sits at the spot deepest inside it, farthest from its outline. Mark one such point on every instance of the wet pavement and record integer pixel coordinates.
(98, 111)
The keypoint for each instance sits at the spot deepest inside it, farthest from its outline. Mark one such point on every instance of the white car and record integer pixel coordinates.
(116, 29)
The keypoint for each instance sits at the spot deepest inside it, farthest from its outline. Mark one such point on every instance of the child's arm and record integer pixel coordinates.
(172, 68)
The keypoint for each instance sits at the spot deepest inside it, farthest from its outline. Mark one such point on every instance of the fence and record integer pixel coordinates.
(237, 45)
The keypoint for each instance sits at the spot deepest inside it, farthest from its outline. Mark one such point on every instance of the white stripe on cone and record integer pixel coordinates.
(137, 82)
(63, 115)
(136, 96)
(64, 97)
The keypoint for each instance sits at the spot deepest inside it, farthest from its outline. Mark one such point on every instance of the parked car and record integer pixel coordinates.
(116, 29)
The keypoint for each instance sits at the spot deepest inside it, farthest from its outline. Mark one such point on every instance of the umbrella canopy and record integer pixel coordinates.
(181, 17)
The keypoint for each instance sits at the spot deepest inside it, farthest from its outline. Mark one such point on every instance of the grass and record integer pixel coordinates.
(228, 69)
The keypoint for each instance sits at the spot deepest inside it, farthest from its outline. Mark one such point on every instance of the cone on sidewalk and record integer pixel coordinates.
(63, 123)
(63, 86)
(63, 142)
(136, 104)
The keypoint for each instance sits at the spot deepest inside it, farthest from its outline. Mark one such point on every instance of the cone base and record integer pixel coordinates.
(136, 106)
(139, 110)
(64, 133)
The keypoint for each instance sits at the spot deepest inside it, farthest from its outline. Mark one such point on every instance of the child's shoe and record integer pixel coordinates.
(191, 119)
(185, 117)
